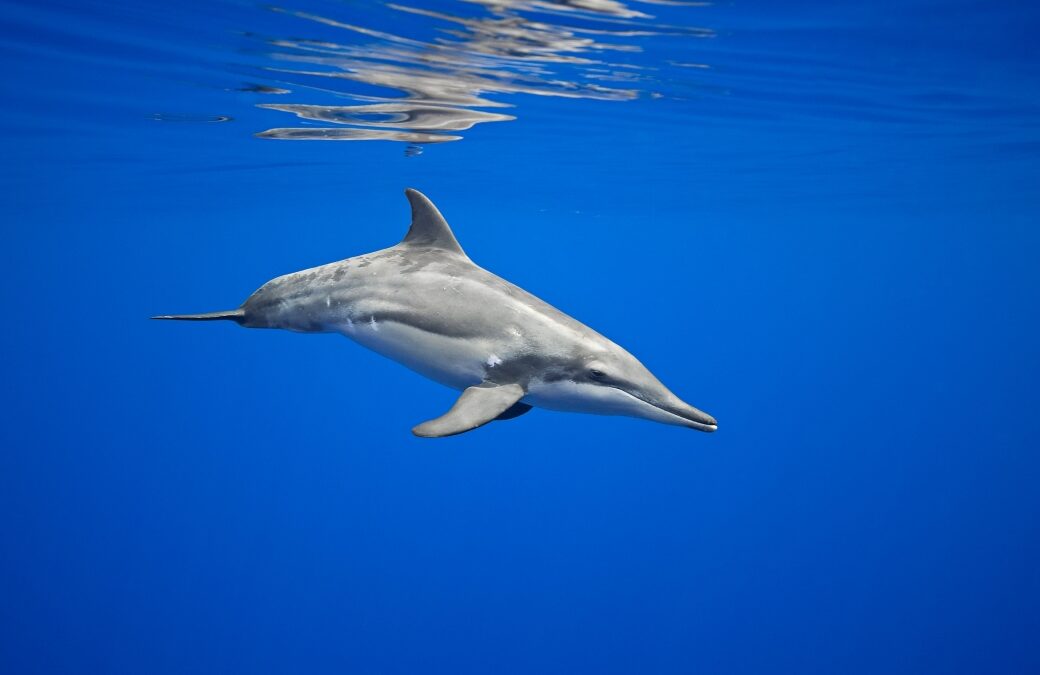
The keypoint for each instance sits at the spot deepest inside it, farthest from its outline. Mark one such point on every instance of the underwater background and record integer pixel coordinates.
(815, 220)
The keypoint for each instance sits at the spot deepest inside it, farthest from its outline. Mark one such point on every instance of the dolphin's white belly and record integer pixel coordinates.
(569, 396)
(454, 362)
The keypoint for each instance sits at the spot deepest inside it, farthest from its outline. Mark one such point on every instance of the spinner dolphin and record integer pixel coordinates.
(426, 305)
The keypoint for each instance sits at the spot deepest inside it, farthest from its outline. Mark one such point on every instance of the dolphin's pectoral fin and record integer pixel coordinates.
(515, 410)
(476, 407)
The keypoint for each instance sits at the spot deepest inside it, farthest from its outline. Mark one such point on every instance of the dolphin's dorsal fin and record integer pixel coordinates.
(428, 229)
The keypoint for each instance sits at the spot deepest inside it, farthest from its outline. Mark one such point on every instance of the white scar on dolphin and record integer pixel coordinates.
(426, 305)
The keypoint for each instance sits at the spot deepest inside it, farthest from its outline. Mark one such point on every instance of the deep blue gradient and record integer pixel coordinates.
(827, 239)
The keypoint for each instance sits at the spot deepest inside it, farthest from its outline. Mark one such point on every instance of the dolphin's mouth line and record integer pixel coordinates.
(700, 426)
(686, 421)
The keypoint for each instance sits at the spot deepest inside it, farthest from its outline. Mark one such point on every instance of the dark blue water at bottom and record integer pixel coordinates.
(817, 222)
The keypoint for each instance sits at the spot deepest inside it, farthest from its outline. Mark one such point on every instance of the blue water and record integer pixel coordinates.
(815, 220)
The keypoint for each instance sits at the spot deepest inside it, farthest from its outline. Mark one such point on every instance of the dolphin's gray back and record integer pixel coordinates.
(435, 291)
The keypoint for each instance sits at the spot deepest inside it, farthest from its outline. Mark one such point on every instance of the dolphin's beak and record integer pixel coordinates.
(664, 406)
(695, 419)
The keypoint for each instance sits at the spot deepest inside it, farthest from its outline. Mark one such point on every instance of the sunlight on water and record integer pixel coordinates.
(564, 49)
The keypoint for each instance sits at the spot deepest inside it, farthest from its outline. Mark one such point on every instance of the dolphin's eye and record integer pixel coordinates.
(597, 373)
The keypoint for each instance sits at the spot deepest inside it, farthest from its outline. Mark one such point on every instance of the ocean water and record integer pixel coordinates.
(815, 220)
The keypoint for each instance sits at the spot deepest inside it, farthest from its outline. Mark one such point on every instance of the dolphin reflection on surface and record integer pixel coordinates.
(558, 48)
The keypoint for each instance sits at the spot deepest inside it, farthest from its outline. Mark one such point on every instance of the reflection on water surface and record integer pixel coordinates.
(437, 88)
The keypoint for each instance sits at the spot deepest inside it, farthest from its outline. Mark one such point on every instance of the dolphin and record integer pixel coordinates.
(426, 305)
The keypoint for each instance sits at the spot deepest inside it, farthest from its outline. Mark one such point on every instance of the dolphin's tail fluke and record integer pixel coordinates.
(235, 315)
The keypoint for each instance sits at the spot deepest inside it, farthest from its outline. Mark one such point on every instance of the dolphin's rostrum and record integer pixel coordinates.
(425, 304)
